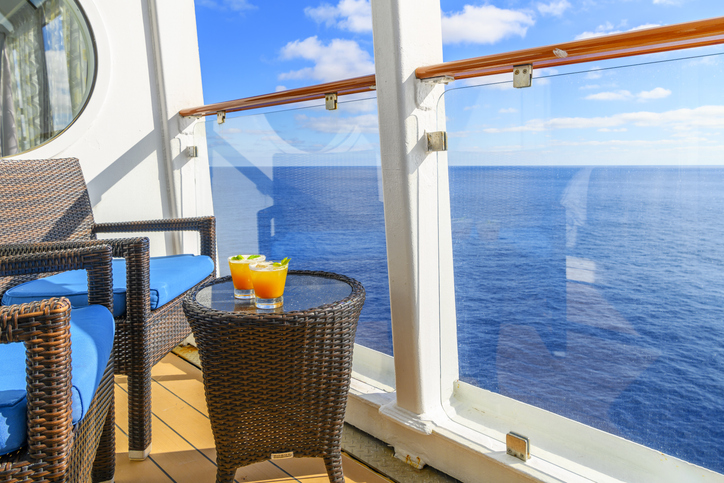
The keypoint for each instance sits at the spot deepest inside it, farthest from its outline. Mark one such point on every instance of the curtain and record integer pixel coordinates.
(8, 134)
(77, 58)
(26, 56)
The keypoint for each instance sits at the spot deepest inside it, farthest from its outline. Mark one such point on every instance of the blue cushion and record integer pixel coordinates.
(91, 338)
(169, 277)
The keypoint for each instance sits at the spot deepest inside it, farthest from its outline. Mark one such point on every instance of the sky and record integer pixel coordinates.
(250, 47)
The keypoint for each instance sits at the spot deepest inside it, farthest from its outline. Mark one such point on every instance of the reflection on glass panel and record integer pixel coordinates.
(306, 184)
(46, 70)
(587, 217)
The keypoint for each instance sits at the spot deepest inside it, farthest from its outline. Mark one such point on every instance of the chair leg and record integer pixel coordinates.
(104, 466)
(139, 414)
(334, 468)
(224, 476)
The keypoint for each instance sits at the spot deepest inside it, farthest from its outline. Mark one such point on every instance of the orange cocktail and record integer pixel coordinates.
(241, 276)
(269, 279)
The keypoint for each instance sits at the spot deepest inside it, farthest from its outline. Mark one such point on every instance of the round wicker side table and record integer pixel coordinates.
(276, 382)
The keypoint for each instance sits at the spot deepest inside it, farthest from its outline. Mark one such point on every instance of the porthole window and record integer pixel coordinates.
(47, 70)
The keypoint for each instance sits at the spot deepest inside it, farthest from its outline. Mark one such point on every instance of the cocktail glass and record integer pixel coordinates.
(241, 277)
(269, 278)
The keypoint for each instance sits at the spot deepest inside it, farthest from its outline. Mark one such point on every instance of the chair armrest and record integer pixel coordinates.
(44, 328)
(18, 260)
(205, 225)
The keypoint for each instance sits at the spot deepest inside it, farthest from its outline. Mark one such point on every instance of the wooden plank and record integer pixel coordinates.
(312, 470)
(183, 444)
(358, 473)
(128, 471)
(183, 379)
(178, 458)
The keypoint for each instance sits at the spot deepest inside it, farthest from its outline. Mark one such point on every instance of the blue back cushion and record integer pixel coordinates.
(91, 337)
(170, 277)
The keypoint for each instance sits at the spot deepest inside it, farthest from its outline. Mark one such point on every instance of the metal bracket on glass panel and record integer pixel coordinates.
(221, 117)
(330, 101)
(518, 446)
(523, 75)
(436, 141)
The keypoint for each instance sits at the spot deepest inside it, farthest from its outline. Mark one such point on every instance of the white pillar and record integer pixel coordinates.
(407, 35)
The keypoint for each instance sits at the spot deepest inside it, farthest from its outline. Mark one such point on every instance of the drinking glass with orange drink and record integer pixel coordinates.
(241, 276)
(268, 279)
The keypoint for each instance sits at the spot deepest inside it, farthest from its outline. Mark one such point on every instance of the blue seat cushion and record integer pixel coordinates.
(170, 277)
(91, 337)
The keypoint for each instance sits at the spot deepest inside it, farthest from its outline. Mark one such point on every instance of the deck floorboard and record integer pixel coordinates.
(183, 445)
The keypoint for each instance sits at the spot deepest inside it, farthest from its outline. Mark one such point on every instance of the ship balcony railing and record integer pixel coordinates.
(585, 216)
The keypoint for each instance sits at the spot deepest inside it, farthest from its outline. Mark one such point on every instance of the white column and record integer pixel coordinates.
(407, 35)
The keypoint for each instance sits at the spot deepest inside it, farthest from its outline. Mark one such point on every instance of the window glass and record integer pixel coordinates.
(306, 183)
(586, 223)
(47, 67)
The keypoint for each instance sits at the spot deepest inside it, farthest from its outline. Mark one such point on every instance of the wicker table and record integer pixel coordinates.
(276, 381)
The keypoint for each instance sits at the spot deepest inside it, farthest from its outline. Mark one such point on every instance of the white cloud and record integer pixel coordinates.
(623, 95)
(485, 24)
(610, 96)
(705, 61)
(366, 123)
(540, 75)
(555, 8)
(704, 117)
(356, 103)
(667, 2)
(594, 73)
(235, 5)
(280, 88)
(352, 15)
(339, 59)
(508, 110)
(607, 29)
(657, 93)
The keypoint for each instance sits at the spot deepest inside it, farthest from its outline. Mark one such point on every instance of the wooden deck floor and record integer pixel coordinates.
(183, 445)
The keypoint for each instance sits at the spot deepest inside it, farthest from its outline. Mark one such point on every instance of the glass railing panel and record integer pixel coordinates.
(587, 219)
(305, 183)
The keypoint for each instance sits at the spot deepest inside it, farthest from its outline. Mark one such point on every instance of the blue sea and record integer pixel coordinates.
(593, 292)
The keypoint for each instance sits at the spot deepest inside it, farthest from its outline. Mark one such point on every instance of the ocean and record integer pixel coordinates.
(594, 292)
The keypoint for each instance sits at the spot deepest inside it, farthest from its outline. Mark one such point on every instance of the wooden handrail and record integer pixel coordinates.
(646, 41)
(343, 87)
(638, 42)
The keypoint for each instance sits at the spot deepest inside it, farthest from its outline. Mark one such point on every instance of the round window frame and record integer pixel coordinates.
(88, 31)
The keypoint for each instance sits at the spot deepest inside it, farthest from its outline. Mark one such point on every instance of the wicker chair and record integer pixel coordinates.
(55, 450)
(45, 203)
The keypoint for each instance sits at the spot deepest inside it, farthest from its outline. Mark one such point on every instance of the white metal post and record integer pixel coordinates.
(407, 35)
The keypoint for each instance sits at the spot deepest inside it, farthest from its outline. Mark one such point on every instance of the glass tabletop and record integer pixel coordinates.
(302, 292)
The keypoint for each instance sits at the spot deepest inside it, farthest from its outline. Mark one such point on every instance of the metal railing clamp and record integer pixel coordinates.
(330, 101)
(523, 75)
(436, 141)
(517, 445)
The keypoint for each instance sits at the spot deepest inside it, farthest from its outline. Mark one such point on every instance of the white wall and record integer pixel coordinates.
(120, 138)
